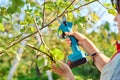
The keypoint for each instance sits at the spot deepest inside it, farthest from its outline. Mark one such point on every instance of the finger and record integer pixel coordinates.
(67, 39)
(68, 43)
(75, 34)
(69, 33)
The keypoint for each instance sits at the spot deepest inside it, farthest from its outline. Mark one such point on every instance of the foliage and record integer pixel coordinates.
(19, 20)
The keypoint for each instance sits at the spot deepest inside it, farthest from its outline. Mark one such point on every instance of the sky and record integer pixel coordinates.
(3, 2)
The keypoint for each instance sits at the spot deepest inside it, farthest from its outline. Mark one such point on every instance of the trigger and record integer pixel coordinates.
(63, 35)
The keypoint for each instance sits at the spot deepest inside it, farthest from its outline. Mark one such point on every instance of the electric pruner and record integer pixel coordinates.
(77, 57)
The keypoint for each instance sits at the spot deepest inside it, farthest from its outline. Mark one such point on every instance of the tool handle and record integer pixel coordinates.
(74, 44)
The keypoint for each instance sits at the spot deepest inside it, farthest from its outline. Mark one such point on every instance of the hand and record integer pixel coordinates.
(80, 37)
(63, 70)
(83, 41)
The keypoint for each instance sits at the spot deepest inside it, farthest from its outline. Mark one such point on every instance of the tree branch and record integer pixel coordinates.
(102, 4)
(60, 14)
(31, 46)
(81, 6)
(43, 13)
(40, 35)
(16, 42)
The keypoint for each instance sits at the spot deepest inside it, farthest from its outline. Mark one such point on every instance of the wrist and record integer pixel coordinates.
(93, 56)
(89, 47)
(70, 76)
(99, 60)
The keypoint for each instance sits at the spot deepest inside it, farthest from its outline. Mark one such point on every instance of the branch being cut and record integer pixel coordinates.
(40, 35)
(31, 46)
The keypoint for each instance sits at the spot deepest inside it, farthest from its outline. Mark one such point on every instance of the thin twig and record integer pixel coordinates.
(60, 14)
(31, 46)
(43, 13)
(16, 42)
(103, 5)
(67, 8)
(18, 37)
(80, 6)
(40, 35)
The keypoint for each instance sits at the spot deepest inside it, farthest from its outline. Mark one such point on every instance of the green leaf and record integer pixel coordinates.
(46, 68)
(107, 26)
(36, 12)
(42, 47)
(40, 62)
(70, 16)
(0, 18)
(22, 30)
(80, 20)
(23, 22)
(107, 4)
(111, 11)
(32, 28)
(94, 16)
(2, 27)
(57, 54)
(32, 4)
(65, 0)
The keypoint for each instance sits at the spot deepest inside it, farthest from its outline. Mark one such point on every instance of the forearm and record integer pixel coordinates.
(70, 76)
(89, 47)
(99, 59)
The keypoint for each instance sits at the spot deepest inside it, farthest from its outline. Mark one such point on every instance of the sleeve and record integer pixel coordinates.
(111, 71)
(116, 73)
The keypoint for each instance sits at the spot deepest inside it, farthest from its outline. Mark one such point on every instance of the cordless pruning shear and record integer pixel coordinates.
(77, 57)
